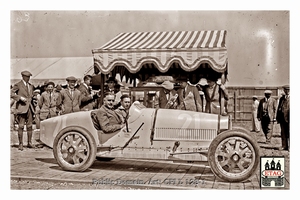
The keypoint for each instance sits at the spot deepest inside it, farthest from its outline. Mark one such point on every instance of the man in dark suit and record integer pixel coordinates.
(266, 114)
(110, 121)
(283, 117)
(88, 97)
(189, 96)
(22, 93)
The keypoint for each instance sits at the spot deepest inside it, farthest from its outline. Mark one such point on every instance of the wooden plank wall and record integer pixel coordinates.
(240, 100)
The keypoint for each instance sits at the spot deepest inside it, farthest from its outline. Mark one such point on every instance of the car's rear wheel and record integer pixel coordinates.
(74, 149)
(233, 156)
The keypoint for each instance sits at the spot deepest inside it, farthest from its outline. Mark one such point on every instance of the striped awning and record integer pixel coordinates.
(187, 48)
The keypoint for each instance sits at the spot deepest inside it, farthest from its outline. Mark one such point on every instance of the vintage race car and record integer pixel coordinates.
(174, 135)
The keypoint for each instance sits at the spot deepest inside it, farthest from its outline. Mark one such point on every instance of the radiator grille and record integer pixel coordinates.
(185, 134)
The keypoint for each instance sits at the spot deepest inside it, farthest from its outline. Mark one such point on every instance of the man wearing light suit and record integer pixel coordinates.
(22, 93)
(70, 98)
(266, 114)
(47, 103)
(166, 98)
(189, 97)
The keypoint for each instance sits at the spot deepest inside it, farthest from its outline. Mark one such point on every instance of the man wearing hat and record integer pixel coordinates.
(36, 96)
(283, 117)
(113, 87)
(166, 98)
(22, 93)
(70, 98)
(266, 114)
(189, 97)
(216, 95)
(255, 122)
(47, 104)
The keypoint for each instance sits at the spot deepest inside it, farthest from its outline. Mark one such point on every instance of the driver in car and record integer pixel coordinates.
(109, 120)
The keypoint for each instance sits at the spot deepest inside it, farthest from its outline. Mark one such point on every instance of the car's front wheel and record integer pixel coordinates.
(233, 156)
(74, 149)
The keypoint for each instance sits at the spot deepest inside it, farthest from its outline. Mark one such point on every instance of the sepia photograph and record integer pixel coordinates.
(150, 99)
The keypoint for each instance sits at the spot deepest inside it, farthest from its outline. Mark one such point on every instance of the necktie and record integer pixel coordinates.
(50, 97)
(27, 88)
(266, 104)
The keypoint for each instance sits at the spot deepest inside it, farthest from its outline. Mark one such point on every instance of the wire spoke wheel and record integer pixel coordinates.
(233, 156)
(74, 149)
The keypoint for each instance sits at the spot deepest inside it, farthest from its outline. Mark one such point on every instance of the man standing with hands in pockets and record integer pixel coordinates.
(22, 93)
(266, 115)
(283, 117)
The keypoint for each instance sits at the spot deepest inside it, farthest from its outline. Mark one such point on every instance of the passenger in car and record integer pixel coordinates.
(123, 109)
(110, 121)
(167, 98)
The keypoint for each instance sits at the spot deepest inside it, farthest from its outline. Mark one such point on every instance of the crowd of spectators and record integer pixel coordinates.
(208, 95)
(30, 105)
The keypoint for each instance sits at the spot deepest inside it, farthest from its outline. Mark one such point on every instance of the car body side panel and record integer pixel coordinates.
(153, 134)
(180, 125)
(170, 127)
(51, 127)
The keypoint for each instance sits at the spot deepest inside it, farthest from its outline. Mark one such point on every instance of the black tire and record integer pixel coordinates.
(233, 156)
(242, 129)
(74, 149)
(104, 158)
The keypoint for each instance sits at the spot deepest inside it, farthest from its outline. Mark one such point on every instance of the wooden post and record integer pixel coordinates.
(102, 90)
(235, 105)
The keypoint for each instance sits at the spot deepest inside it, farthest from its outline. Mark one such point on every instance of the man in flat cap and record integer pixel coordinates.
(22, 93)
(70, 98)
(255, 122)
(266, 114)
(189, 97)
(283, 117)
(167, 97)
(47, 104)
